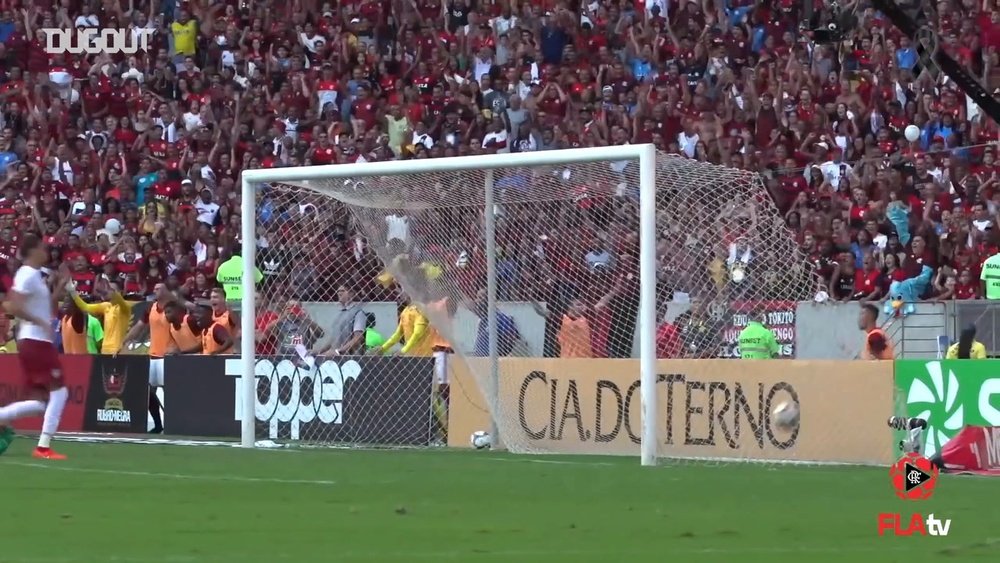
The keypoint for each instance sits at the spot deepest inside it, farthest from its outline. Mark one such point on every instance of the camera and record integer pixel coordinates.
(835, 30)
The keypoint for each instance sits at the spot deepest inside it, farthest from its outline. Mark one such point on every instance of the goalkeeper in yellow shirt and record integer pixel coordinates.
(115, 312)
(413, 330)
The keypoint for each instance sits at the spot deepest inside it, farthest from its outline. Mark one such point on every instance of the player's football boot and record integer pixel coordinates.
(46, 453)
(6, 437)
(905, 423)
(915, 427)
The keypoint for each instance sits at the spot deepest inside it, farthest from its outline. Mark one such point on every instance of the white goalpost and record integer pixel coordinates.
(329, 181)
(542, 302)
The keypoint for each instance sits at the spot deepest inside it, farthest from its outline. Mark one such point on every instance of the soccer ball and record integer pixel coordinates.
(786, 415)
(481, 440)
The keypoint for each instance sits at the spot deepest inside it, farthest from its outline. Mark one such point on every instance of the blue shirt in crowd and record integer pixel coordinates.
(507, 335)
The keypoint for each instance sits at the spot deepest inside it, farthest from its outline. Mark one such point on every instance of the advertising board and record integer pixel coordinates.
(707, 408)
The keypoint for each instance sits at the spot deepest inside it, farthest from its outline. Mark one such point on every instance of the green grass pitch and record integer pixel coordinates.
(165, 503)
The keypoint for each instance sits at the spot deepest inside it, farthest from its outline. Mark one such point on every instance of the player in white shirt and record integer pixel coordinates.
(31, 301)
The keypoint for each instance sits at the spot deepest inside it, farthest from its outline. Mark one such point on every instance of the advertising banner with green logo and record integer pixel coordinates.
(949, 395)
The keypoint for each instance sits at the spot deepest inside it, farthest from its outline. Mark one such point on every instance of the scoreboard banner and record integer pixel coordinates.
(361, 400)
(718, 409)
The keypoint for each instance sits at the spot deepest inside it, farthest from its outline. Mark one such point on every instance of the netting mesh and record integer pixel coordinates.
(567, 269)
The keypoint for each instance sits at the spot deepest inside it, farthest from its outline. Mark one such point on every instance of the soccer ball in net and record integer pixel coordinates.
(786, 415)
(481, 440)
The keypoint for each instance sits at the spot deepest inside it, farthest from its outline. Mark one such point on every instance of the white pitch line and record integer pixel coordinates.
(184, 476)
(680, 462)
(110, 559)
(554, 461)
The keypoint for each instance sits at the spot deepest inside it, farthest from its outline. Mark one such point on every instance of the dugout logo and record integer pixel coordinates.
(114, 379)
(96, 41)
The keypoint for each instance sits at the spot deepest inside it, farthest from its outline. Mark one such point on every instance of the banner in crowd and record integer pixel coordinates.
(780, 318)
(356, 400)
(707, 408)
(949, 394)
(76, 372)
(118, 395)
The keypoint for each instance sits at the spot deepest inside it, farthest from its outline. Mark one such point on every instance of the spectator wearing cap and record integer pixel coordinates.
(208, 210)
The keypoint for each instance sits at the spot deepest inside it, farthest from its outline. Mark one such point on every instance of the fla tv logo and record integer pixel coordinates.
(913, 478)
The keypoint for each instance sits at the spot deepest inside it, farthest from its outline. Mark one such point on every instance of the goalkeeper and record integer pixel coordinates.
(413, 331)
(420, 337)
(414, 328)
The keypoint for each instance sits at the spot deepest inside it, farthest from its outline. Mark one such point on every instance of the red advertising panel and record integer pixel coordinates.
(76, 373)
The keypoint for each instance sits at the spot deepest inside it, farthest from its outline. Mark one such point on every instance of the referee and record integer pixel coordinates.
(756, 341)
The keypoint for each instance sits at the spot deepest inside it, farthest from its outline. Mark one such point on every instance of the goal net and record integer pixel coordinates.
(405, 248)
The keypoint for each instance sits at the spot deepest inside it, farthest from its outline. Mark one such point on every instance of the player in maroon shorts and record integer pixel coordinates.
(31, 301)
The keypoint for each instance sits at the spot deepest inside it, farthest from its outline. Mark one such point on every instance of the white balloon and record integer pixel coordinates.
(912, 133)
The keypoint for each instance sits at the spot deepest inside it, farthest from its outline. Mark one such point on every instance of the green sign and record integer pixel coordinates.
(949, 395)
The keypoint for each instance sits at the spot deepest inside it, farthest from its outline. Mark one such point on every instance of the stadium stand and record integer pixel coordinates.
(129, 165)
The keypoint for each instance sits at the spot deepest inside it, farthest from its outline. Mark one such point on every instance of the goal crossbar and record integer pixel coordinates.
(645, 154)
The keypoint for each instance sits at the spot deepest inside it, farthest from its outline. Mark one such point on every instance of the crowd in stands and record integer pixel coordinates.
(129, 164)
